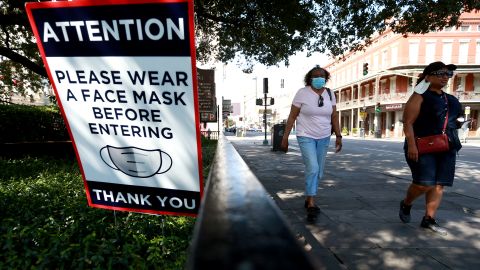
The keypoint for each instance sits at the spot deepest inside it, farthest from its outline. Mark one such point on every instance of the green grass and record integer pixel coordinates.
(45, 223)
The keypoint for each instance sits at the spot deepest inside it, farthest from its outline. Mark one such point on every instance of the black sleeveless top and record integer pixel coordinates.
(432, 114)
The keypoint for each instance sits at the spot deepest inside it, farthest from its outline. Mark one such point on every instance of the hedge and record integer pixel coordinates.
(24, 123)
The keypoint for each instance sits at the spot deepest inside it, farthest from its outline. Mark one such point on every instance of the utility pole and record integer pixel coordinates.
(244, 119)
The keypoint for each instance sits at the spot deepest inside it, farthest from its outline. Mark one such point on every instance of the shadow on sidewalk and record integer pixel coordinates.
(358, 226)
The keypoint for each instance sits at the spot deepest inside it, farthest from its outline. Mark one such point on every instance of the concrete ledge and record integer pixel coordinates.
(239, 226)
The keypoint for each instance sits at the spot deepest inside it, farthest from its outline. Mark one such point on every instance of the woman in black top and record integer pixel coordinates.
(424, 115)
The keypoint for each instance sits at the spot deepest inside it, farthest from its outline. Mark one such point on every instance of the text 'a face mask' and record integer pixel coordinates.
(318, 82)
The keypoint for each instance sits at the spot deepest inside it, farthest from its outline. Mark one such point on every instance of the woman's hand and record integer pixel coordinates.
(338, 144)
(412, 152)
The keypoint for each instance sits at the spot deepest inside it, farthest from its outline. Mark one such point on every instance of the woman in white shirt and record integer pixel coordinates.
(314, 109)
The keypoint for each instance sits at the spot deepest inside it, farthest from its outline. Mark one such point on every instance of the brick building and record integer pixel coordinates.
(375, 101)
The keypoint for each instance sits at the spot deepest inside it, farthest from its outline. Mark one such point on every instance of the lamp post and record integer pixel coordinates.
(265, 91)
(244, 114)
(256, 98)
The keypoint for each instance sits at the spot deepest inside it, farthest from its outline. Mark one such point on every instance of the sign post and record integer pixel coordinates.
(124, 76)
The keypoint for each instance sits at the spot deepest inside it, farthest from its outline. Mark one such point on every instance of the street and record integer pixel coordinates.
(384, 156)
(387, 157)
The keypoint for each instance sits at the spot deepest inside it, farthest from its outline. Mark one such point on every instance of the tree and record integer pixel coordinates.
(21, 67)
(263, 31)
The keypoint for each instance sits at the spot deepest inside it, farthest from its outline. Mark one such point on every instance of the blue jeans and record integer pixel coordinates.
(314, 152)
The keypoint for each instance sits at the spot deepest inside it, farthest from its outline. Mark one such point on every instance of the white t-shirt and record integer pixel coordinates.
(313, 121)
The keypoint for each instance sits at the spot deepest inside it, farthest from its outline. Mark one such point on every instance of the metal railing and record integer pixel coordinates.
(239, 226)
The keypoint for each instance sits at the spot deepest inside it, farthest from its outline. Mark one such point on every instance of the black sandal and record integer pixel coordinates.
(312, 208)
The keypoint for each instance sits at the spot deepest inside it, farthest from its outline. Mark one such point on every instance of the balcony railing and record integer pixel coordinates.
(210, 135)
(468, 96)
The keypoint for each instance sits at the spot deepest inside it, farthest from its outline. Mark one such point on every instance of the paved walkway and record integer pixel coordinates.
(358, 227)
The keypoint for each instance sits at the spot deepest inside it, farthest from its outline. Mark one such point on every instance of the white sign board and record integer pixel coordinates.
(125, 79)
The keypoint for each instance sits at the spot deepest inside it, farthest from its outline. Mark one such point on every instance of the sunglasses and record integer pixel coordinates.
(442, 73)
(320, 101)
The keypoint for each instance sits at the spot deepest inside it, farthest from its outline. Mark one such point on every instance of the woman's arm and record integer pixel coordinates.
(336, 129)
(335, 122)
(410, 114)
(294, 111)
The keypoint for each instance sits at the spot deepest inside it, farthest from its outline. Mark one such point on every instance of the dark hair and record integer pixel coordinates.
(421, 76)
(308, 77)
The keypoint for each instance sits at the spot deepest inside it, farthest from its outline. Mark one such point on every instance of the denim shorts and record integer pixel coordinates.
(433, 169)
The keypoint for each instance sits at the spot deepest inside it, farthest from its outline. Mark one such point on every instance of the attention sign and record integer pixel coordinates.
(125, 80)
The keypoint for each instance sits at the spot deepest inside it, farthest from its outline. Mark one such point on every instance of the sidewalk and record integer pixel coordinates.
(358, 227)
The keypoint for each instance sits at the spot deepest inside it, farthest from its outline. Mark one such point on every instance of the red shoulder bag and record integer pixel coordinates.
(434, 143)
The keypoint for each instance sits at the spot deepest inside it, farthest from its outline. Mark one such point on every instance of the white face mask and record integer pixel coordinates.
(421, 87)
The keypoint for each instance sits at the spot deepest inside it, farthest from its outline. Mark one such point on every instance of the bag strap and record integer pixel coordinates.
(329, 94)
(446, 117)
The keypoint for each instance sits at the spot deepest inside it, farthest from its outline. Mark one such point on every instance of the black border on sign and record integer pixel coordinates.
(84, 3)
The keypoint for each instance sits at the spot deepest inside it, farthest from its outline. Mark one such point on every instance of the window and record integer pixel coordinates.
(375, 62)
(463, 53)
(430, 52)
(477, 53)
(448, 29)
(460, 84)
(410, 84)
(393, 84)
(383, 87)
(282, 83)
(447, 52)
(465, 28)
(385, 59)
(394, 56)
(354, 72)
(476, 83)
(413, 52)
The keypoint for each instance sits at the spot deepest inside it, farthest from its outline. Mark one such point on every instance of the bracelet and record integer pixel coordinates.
(339, 136)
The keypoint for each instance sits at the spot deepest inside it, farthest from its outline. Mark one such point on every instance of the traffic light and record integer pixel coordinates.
(272, 101)
(365, 69)
(258, 102)
(265, 85)
(378, 108)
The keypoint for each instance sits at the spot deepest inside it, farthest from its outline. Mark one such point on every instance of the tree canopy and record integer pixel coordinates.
(256, 31)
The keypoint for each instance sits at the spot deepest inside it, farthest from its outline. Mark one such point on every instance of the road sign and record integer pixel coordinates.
(125, 79)
(206, 95)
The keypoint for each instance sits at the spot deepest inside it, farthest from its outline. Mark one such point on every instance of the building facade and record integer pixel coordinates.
(371, 103)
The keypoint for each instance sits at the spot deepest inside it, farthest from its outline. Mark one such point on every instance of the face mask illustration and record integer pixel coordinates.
(136, 162)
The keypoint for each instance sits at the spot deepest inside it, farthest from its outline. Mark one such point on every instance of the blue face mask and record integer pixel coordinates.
(318, 82)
